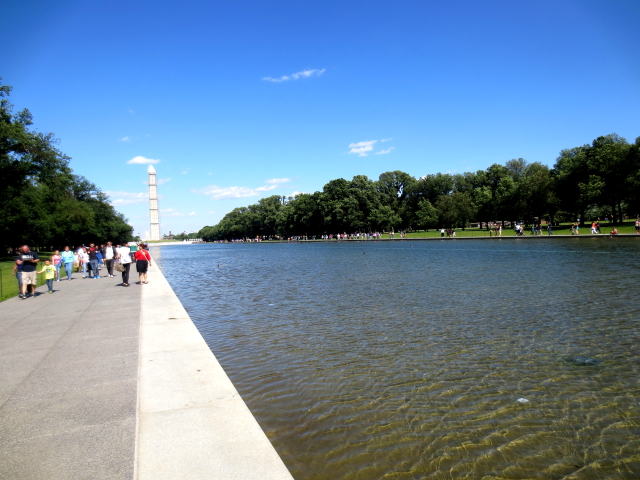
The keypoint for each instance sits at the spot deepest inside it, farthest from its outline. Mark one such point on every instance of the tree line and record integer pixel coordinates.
(586, 182)
(42, 202)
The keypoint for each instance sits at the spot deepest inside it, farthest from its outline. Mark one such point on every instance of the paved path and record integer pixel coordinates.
(98, 381)
(68, 381)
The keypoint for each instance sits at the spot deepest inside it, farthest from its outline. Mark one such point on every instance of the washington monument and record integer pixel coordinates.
(154, 214)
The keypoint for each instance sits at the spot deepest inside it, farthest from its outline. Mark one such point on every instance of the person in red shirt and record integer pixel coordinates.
(143, 262)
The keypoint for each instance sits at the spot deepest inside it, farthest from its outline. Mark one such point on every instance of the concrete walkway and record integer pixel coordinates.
(98, 381)
(68, 382)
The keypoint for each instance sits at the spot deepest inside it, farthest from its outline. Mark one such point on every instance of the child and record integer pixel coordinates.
(49, 274)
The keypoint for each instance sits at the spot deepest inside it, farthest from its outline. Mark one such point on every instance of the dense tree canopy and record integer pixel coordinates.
(586, 182)
(42, 203)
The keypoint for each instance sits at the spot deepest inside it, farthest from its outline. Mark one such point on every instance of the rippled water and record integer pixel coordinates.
(406, 360)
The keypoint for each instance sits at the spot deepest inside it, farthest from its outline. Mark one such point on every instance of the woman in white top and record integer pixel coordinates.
(123, 257)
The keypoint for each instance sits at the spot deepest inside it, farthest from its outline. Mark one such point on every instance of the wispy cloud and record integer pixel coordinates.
(382, 152)
(361, 148)
(162, 181)
(119, 199)
(220, 193)
(125, 139)
(266, 188)
(278, 180)
(143, 160)
(296, 76)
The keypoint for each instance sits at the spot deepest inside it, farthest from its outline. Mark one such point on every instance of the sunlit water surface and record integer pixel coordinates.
(406, 360)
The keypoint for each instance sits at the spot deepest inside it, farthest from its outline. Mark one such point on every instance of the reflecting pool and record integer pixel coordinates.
(429, 359)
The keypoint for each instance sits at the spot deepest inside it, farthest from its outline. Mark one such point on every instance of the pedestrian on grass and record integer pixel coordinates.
(143, 262)
(28, 260)
(68, 259)
(56, 258)
(549, 229)
(123, 257)
(50, 274)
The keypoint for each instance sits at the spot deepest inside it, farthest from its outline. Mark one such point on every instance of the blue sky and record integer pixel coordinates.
(237, 100)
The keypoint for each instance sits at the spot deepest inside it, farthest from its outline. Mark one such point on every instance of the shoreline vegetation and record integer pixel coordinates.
(563, 231)
(593, 182)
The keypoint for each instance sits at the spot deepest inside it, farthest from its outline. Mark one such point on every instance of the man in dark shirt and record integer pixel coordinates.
(93, 260)
(28, 260)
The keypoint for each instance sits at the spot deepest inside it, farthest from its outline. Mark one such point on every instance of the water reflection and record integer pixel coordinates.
(407, 360)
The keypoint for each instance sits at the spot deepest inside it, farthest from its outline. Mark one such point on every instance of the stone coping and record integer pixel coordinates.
(191, 422)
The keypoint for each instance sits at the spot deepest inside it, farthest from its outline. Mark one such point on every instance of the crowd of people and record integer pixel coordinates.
(89, 260)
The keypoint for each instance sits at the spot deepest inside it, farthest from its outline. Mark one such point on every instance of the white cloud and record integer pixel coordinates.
(119, 199)
(361, 148)
(209, 173)
(387, 139)
(278, 180)
(142, 160)
(220, 193)
(185, 171)
(266, 188)
(125, 139)
(191, 214)
(162, 181)
(296, 76)
(382, 152)
(212, 212)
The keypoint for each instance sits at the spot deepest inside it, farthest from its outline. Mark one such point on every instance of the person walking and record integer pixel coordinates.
(100, 258)
(57, 262)
(143, 262)
(549, 229)
(84, 258)
(109, 255)
(50, 274)
(68, 258)
(28, 260)
(123, 257)
(17, 272)
(93, 260)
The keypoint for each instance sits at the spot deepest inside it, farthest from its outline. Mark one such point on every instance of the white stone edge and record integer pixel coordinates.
(191, 423)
